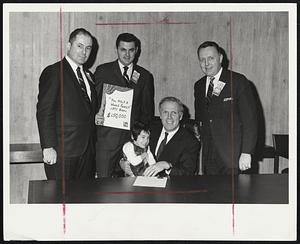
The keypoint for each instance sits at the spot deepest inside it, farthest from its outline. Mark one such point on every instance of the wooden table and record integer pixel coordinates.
(248, 189)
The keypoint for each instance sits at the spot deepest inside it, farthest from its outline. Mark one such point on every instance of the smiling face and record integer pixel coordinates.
(142, 139)
(80, 49)
(210, 60)
(126, 52)
(170, 115)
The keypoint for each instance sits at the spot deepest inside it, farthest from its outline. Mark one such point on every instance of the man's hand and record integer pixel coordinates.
(154, 169)
(125, 166)
(99, 120)
(49, 155)
(245, 161)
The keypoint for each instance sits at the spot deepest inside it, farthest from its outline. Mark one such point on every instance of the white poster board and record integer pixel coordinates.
(116, 105)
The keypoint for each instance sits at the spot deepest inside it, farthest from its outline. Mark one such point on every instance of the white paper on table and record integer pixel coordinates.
(150, 181)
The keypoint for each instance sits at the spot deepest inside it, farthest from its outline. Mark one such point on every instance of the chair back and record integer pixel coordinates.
(281, 146)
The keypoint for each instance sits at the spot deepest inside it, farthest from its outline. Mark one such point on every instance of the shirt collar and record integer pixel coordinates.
(122, 65)
(217, 76)
(171, 133)
(73, 64)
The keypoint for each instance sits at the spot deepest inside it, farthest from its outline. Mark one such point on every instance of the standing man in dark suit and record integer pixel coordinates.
(176, 149)
(225, 106)
(122, 72)
(66, 111)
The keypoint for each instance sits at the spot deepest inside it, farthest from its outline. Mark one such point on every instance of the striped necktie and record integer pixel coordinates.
(210, 90)
(82, 85)
(125, 75)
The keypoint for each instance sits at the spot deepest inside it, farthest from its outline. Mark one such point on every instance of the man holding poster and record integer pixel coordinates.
(126, 94)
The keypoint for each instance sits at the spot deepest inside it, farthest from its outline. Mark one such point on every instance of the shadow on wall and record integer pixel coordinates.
(225, 61)
(186, 114)
(260, 145)
(138, 54)
(261, 133)
(93, 54)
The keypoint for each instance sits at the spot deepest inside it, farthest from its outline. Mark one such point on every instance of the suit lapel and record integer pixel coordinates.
(135, 75)
(117, 73)
(92, 88)
(170, 144)
(224, 77)
(155, 133)
(202, 87)
(68, 69)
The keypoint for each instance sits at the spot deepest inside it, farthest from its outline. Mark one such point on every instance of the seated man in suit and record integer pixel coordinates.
(176, 150)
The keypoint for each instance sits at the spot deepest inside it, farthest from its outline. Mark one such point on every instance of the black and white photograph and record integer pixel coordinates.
(149, 121)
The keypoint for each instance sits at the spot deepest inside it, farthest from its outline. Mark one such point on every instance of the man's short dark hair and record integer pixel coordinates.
(78, 31)
(127, 37)
(209, 44)
(137, 128)
(172, 99)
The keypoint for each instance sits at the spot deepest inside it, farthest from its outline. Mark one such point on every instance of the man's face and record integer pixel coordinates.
(126, 52)
(80, 50)
(170, 115)
(210, 60)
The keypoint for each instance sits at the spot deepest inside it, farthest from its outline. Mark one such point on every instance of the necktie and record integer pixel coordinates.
(82, 85)
(125, 75)
(210, 90)
(162, 145)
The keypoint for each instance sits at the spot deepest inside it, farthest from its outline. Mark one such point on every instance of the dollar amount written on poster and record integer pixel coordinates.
(116, 104)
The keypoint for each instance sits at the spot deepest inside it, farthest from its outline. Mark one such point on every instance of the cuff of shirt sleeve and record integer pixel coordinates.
(168, 171)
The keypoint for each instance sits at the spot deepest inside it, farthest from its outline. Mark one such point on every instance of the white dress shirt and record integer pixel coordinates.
(217, 77)
(129, 71)
(74, 68)
(162, 136)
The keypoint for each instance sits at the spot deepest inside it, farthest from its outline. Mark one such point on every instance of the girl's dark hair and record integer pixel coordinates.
(137, 128)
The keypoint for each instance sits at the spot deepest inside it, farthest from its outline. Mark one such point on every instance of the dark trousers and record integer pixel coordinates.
(107, 161)
(212, 162)
(80, 167)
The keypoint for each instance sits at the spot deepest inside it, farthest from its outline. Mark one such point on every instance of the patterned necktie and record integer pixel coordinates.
(162, 145)
(210, 90)
(82, 85)
(125, 75)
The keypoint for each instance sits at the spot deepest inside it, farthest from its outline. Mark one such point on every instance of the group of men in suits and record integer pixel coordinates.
(74, 147)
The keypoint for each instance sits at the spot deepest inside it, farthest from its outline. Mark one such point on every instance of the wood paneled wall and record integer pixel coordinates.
(259, 50)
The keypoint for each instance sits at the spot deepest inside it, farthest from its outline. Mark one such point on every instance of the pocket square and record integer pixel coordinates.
(227, 99)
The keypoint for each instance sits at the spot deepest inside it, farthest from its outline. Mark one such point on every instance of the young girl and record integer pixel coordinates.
(136, 151)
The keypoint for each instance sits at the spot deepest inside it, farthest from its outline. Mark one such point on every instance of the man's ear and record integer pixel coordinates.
(69, 46)
(132, 138)
(136, 50)
(221, 58)
(181, 116)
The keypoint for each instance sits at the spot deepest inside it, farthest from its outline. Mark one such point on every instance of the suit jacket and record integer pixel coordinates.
(76, 121)
(181, 151)
(231, 117)
(143, 100)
